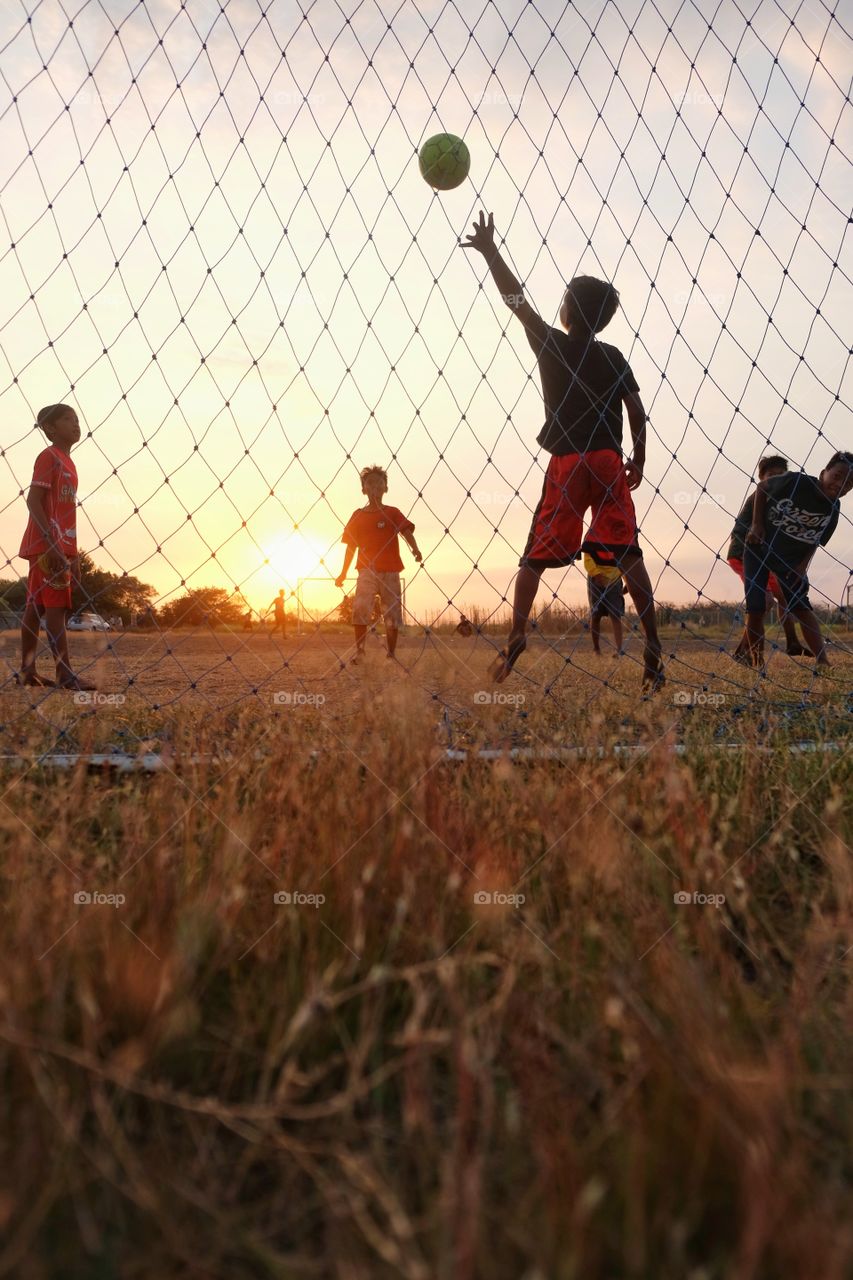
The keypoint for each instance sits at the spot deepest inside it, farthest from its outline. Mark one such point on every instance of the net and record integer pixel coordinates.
(220, 250)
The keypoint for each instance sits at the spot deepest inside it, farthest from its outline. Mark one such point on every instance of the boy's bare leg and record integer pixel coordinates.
(755, 638)
(29, 648)
(640, 589)
(812, 635)
(617, 634)
(391, 634)
(526, 586)
(360, 637)
(57, 638)
(595, 632)
(792, 640)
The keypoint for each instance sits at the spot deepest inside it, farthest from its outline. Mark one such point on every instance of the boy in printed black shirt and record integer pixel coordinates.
(767, 467)
(792, 516)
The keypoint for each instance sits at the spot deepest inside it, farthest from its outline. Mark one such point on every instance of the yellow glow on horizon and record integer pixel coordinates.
(291, 557)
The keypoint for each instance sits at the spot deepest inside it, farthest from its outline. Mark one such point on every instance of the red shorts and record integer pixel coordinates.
(574, 483)
(772, 581)
(46, 590)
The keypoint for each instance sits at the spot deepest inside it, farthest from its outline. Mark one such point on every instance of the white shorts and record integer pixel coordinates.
(370, 585)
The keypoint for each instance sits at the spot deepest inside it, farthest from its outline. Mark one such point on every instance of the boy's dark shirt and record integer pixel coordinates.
(583, 384)
(742, 526)
(799, 516)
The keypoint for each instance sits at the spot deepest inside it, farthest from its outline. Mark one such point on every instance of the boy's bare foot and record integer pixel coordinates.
(32, 680)
(77, 685)
(506, 659)
(798, 651)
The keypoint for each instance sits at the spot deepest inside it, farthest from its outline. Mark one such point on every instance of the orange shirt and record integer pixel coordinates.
(56, 474)
(375, 530)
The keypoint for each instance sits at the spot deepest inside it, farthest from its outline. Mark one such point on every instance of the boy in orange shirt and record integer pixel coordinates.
(50, 546)
(374, 531)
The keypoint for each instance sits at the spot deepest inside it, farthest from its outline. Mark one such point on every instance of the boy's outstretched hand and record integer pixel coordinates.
(483, 239)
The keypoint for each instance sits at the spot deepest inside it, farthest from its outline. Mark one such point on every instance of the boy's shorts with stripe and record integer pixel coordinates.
(758, 565)
(574, 484)
(371, 584)
(47, 589)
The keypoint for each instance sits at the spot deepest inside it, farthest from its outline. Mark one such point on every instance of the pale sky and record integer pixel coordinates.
(224, 246)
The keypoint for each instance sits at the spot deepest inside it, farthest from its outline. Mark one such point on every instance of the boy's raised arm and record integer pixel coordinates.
(483, 240)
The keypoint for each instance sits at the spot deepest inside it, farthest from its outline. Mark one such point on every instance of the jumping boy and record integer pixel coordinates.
(50, 546)
(767, 467)
(792, 516)
(584, 385)
(606, 600)
(374, 531)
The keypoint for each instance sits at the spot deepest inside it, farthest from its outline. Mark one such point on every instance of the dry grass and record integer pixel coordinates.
(401, 1081)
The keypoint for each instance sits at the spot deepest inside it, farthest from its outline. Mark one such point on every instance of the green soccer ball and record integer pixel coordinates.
(444, 161)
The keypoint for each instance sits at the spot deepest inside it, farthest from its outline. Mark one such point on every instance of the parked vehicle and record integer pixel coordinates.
(88, 622)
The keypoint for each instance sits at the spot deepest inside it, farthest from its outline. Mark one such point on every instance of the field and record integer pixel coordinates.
(329, 993)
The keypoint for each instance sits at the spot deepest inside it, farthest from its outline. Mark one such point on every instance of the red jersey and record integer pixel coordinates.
(375, 530)
(56, 474)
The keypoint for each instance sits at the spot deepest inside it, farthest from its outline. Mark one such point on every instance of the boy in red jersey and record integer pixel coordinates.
(374, 531)
(50, 546)
(584, 386)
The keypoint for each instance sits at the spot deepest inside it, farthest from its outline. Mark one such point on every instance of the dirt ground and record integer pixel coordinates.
(145, 680)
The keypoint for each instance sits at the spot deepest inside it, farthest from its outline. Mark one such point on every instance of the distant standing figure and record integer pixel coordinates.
(606, 600)
(280, 623)
(463, 626)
